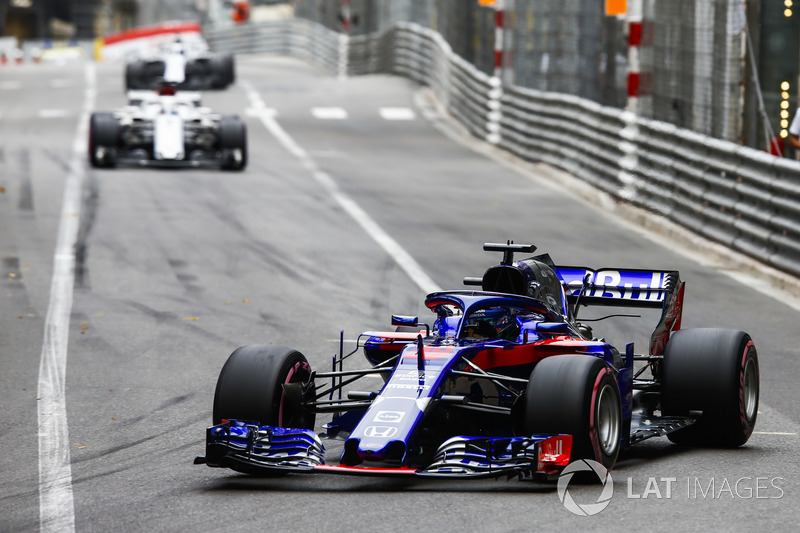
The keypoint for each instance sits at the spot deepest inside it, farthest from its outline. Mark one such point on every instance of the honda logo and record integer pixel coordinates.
(381, 432)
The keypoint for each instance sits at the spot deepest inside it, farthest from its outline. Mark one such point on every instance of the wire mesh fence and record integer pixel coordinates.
(695, 56)
(566, 46)
(690, 51)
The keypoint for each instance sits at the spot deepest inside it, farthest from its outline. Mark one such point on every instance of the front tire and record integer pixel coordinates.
(714, 371)
(233, 139)
(576, 395)
(266, 385)
(104, 132)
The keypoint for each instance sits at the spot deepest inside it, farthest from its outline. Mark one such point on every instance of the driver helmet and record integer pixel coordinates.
(483, 323)
(547, 286)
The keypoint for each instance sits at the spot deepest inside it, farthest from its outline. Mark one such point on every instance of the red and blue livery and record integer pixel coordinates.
(507, 381)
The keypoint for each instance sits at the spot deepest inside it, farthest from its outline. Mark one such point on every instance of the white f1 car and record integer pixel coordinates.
(167, 128)
(191, 68)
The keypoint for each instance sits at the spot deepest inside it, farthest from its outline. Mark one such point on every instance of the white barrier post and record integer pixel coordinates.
(494, 114)
(640, 83)
(344, 40)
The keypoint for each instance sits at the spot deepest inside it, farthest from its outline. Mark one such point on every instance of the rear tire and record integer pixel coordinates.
(229, 69)
(576, 395)
(104, 132)
(714, 371)
(133, 75)
(252, 387)
(232, 137)
(222, 71)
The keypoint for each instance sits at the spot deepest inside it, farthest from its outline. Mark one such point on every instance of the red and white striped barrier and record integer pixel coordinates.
(498, 37)
(495, 93)
(640, 34)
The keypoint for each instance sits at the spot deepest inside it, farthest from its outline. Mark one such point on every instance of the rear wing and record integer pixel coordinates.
(661, 289)
(617, 287)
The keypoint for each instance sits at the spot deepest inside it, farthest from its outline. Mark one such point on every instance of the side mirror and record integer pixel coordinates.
(409, 322)
(402, 320)
(553, 327)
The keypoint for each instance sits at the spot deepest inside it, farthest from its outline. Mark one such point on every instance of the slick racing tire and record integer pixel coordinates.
(714, 371)
(104, 134)
(577, 395)
(266, 385)
(222, 71)
(216, 76)
(232, 137)
(133, 76)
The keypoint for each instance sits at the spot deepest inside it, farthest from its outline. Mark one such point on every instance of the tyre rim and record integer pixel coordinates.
(608, 421)
(290, 377)
(750, 389)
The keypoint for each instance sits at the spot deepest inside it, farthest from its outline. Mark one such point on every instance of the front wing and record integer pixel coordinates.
(208, 161)
(267, 450)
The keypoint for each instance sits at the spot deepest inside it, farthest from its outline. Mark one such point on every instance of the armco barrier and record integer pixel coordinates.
(296, 38)
(743, 198)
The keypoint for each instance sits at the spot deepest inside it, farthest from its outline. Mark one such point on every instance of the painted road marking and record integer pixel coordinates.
(329, 113)
(56, 504)
(10, 85)
(258, 111)
(397, 113)
(384, 240)
(257, 108)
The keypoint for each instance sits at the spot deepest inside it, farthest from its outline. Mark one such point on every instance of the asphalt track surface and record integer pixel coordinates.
(349, 210)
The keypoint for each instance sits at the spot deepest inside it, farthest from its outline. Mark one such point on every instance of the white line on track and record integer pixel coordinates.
(329, 113)
(397, 113)
(403, 258)
(56, 506)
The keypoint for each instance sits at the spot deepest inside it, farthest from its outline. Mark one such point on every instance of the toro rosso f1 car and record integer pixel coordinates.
(507, 382)
(167, 128)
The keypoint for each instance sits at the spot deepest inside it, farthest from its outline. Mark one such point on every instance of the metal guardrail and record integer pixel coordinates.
(743, 198)
(298, 38)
